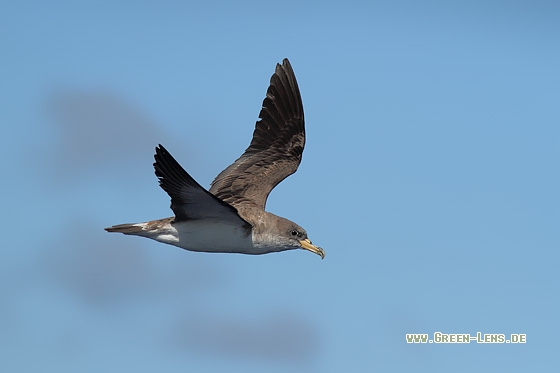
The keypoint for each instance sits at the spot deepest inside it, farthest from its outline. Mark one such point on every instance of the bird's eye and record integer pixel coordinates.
(294, 233)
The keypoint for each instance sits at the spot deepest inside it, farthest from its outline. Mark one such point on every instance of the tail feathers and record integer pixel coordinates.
(134, 229)
(146, 229)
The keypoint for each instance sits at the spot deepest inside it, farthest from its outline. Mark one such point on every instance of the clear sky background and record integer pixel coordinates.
(430, 177)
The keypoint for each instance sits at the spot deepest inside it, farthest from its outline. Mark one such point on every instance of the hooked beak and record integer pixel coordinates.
(307, 245)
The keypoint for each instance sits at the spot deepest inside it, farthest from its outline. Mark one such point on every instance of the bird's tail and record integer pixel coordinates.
(146, 229)
(134, 229)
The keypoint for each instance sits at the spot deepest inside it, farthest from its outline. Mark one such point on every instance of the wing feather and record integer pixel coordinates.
(189, 200)
(275, 150)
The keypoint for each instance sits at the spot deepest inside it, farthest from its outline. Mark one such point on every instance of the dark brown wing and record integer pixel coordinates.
(276, 149)
(189, 200)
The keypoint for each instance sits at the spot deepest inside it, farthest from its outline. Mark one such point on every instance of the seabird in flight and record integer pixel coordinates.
(231, 216)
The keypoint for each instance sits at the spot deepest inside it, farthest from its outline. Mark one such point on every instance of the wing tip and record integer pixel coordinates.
(160, 150)
(285, 67)
(163, 160)
(286, 63)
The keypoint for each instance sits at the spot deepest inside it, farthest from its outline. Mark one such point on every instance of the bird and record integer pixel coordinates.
(230, 217)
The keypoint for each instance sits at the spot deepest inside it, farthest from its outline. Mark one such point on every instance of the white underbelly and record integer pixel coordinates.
(208, 236)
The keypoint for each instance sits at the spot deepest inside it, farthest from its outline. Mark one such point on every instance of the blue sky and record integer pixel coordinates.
(430, 177)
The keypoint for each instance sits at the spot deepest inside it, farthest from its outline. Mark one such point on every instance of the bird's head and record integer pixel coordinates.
(283, 234)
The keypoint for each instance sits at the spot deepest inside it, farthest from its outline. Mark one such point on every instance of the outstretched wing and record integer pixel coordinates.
(188, 199)
(276, 149)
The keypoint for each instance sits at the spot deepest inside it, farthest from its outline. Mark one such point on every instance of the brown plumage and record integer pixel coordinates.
(276, 149)
(231, 216)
